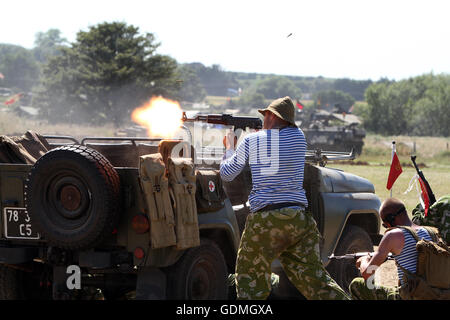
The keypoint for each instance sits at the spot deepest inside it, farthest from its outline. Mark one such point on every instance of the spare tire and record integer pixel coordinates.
(72, 194)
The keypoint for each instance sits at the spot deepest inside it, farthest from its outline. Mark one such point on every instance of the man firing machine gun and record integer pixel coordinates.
(413, 245)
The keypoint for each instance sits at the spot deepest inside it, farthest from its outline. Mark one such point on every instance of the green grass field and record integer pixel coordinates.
(433, 157)
(432, 151)
(11, 124)
(217, 100)
(220, 101)
(438, 177)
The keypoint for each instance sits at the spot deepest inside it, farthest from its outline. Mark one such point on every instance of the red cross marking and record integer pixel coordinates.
(211, 186)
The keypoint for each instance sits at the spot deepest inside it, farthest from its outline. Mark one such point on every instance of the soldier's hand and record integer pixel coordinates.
(230, 141)
(358, 262)
(361, 260)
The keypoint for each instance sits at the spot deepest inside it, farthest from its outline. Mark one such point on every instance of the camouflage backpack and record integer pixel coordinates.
(431, 281)
(438, 216)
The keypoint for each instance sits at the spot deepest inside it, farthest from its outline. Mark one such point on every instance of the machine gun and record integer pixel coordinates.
(356, 256)
(226, 119)
(427, 185)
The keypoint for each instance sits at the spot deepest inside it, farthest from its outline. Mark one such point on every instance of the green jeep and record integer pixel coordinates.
(75, 226)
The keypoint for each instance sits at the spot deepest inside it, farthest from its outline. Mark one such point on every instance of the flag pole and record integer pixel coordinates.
(392, 158)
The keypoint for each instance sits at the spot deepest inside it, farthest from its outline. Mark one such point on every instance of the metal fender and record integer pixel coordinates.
(341, 209)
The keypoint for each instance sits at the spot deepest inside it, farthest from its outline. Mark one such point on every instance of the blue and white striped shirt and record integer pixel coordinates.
(408, 257)
(277, 161)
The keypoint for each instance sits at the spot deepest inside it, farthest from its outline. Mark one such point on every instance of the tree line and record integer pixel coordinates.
(101, 77)
(416, 106)
(112, 68)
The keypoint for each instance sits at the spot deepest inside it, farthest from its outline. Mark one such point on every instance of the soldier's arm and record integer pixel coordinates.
(389, 243)
(233, 163)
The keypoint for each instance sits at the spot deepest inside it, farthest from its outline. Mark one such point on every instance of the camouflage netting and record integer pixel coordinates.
(25, 149)
(438, 216)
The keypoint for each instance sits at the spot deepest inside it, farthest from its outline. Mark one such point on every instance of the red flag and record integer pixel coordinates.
(425, 197)
(13, 99)
(299, 105)
(10, 101)
(394, 172)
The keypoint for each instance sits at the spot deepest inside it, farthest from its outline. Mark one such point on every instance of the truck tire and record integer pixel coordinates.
(10, 284)
(353, 239)
(72, 194)
(17, 284)
(200, 274)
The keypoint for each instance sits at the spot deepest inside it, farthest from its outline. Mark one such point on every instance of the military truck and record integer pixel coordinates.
(82, 206)
(76, 221)
(332, 131)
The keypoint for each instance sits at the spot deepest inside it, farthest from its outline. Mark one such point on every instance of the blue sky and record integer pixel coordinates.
(348, 38)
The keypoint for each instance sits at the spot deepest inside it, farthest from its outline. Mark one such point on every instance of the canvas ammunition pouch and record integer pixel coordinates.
(155, 185)
(175, 149)
(210, 195)
(183, 187)
(432, 278)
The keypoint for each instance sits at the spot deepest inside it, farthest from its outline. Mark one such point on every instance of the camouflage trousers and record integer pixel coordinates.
(360, 291)
(291, 236)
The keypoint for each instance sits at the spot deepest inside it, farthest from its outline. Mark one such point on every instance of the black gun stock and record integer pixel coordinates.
(427, 185)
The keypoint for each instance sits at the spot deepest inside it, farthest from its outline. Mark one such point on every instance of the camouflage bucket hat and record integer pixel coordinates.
(283, 108)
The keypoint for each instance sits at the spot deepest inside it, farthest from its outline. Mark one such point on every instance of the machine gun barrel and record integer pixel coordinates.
(322, 157)
(226, 119)
(356, 256)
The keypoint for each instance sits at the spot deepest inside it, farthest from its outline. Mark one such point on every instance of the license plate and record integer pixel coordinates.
(18, 224)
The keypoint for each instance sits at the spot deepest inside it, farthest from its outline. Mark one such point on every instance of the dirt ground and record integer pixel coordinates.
(386, 274)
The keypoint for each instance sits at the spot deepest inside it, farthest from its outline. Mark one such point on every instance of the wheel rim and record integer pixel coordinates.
(201, 278)
(70, 197)
(350, 272)
(349, 267)
(68, 200)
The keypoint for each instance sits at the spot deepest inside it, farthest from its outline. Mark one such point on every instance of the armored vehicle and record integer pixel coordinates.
(332, 131)
(130, 217)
